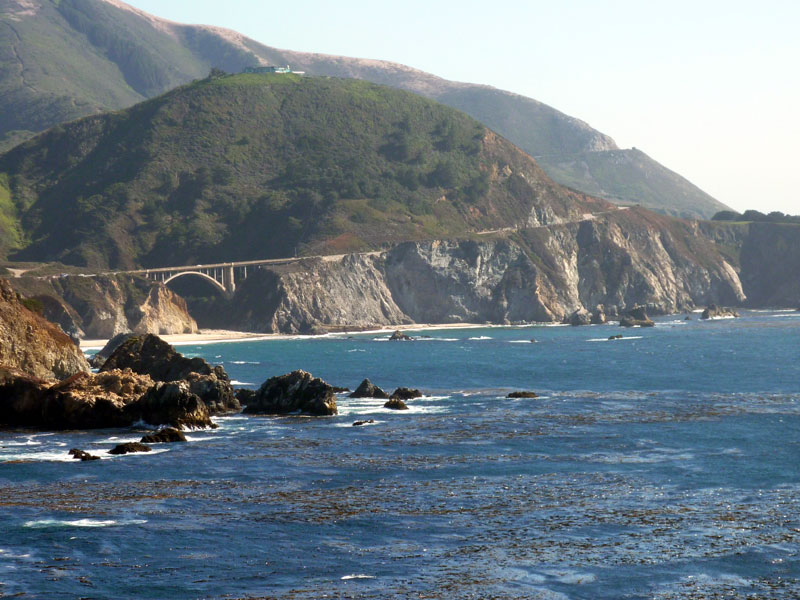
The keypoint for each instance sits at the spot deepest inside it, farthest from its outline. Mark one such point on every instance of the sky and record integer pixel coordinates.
(710, 89)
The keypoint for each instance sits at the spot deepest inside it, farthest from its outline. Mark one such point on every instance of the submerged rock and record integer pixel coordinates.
(82, 455)
(368, 390)
(297, 391)
(360, 423)
(615, 337)
(399, 336)
(129, 448)
(395, 404)
(713, 311)
(164, 436)
(637, 316)
(523, 394)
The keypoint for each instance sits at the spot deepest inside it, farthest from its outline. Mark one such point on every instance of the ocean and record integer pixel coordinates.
(665, 465)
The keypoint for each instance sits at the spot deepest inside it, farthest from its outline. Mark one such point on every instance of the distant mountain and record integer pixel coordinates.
(258, 166)
(70, 58)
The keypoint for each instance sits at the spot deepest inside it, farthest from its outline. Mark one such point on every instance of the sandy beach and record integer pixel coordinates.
(216, 336)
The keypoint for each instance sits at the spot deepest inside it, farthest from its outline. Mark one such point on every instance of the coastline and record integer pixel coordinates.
(218, 336)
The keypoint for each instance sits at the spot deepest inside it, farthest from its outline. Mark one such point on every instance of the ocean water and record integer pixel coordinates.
(665, 465)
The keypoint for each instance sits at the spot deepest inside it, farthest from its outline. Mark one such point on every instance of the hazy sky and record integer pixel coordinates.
(711, 89)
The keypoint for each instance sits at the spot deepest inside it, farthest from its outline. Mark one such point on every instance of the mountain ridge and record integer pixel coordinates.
(122, 55)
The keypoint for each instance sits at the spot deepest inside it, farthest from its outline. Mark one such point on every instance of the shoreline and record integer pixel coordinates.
(218, 336)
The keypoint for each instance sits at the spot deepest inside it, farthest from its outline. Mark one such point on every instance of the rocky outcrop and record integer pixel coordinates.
(105, 305)
(173, 404)
(712, 311)
(579, 317)
(614, 261)
(395, 404)
(99, 359)
(404, 393)
(295, 392)
(523, 394)
(32, 344)
(152, 356)
(399, 336)
(82, 455)
(367, 389)
(118, 398)
(636, 317)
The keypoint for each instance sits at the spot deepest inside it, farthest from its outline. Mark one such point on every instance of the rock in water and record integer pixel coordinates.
(579, 317)
(404, 393)
(360, 423)
(245, 396)
(164, 436)
(150, 355)
(615, 337)
(82, 455)
(399, 336)
(523, 395)
(717, 312)
(598, 317)
(368, 390)
(172, 404)
(297, 391)
(637, 316)
(395, 404)
(129, 448)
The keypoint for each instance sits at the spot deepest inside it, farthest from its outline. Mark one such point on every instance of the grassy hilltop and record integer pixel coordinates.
(256, 166)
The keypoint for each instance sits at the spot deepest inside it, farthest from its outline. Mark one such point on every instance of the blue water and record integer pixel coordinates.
(661, 466)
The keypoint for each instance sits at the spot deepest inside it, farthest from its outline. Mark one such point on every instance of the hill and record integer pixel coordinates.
(257, 166)
(66, 59)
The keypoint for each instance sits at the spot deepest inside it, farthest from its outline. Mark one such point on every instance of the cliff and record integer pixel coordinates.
(33, 345)
(543, 273)
(102, 306)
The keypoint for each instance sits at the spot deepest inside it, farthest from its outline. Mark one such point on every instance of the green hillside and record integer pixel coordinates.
(63, 59)
(257, 166)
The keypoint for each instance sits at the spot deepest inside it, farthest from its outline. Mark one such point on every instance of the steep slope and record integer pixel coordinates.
(259, 166)
(71, 58)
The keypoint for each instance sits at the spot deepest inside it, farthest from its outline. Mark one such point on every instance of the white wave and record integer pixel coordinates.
(627, 337)
(790, 315)
(357, 350)
(482, 337)
(347, 577)
(27, 442)
(520, 342)
(43, 523)
(37, 457)
(237, 382)
(436, 339)
(242, 362)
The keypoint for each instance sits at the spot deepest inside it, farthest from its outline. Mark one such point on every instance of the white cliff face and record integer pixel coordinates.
(538, 275)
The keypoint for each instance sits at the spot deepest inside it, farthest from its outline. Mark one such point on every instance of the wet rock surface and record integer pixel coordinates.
(129, 448)
(167, 435)
(636, 317)
(399, 336)
(404, 393)
(713, 311)
(82, 455)
(395, 404)
(523, 394)
(297, 391)
(174, 404)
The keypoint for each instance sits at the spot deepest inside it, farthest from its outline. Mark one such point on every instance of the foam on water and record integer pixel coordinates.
(46, 523)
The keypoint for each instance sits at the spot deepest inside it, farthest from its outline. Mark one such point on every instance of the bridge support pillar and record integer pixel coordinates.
(230, 282)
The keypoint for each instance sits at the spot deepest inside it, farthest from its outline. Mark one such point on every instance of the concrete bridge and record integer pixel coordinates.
(224, 276)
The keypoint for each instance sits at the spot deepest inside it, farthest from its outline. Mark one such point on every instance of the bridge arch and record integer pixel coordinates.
(208, 278)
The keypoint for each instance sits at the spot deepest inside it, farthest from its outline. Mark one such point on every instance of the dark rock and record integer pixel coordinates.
(637, 316)
(399, 336)
(523, 395)
(395, 404)
(297, 391)
(164, 436)
(368, 390)
(615, 337)
(82, 455)
(339, 390)
(129, 448)
(150, 355)
(404, 393)
(115, 342)
(579, 317)
(598, 317)
(245, 396)
(716, 312)
(533, 340)
(172, 404)
(360, 423)
(687, 318)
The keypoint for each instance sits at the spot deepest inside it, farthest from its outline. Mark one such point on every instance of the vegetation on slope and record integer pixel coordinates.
(61, 60)
(256, 166)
